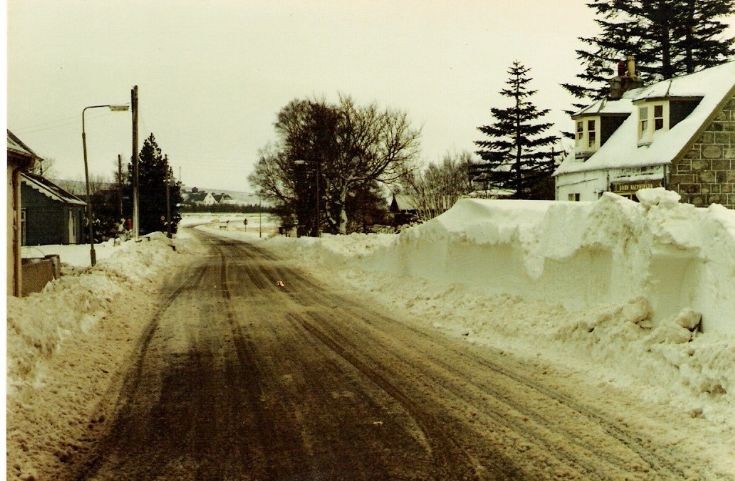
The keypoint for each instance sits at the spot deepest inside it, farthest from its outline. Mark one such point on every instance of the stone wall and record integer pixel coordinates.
(706, 173)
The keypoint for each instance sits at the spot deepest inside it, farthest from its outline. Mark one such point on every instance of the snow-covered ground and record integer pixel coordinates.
(65, 344)
(637, 296)
(77, 255)
(611, 291)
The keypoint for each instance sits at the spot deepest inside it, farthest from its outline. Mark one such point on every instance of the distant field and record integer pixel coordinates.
(268, 222)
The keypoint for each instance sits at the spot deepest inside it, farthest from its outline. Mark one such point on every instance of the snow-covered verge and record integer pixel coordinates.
(615, 291)
(64, 345)
(76, 255)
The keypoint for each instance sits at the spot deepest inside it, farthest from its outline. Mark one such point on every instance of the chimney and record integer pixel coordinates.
(631, 66)
(625, 80)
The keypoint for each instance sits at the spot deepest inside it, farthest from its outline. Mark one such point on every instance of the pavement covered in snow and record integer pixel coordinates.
(631, 296)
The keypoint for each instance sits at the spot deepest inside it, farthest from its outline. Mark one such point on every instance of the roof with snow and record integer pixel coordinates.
(403, 202)
(221, 197)
(16, 145)
(49, 189)
(713, 85)
(18, 150)
(623, 106)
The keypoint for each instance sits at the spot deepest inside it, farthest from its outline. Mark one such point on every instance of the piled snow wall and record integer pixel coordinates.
(581, 254)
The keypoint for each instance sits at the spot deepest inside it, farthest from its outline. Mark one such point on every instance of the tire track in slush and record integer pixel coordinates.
(246, 353)
(89, 466)
(443, 448)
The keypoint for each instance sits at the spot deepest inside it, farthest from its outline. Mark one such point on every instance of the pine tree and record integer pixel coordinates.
(517, 154)
(698, 32)
(667, 37)
(154, 172)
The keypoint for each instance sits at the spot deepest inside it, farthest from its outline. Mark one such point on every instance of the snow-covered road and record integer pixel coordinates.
(252, 369)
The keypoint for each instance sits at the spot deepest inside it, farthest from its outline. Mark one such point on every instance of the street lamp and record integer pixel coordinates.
(113, 108)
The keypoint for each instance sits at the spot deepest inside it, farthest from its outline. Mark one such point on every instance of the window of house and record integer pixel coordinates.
(643, 121)
(574, 197)
(580, 130)
(591, 134)
(658, 117)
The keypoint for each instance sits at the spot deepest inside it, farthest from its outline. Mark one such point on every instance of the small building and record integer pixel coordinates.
(20, 159)
(50, 215)
(201, 198)
(678, 134)
(403, 208)
(223, 198)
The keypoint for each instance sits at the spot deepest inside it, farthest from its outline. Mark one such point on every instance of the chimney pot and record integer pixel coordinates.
(631, 66)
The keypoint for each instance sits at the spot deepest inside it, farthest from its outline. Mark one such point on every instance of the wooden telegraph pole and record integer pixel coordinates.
(169, 174)
(119, 185)
(134, 105)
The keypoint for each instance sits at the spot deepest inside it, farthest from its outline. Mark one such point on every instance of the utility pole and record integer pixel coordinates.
(134, 105)
(318, 204)
(169, 174)
(119, 184)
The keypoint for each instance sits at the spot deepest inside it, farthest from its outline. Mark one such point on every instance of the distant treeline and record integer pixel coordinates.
(228, 208)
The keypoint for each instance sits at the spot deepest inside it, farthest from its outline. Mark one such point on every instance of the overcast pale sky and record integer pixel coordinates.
(213, 74)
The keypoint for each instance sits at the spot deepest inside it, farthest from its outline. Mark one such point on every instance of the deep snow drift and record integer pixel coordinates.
(584, 255)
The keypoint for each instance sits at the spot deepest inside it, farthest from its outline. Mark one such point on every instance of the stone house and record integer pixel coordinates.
(677, 133)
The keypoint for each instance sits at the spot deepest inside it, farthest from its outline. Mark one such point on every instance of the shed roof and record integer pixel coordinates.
(49, 189)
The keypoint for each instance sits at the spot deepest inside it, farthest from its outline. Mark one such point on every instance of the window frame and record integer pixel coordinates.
(592, 134)
(587, 140)
(649, 122)
(657, 118)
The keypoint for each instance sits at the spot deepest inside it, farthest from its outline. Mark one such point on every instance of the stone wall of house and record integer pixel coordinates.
(706, 173)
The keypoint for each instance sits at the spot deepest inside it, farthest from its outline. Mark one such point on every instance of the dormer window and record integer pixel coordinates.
(587, 136)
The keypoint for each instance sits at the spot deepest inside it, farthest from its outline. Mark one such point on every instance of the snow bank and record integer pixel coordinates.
(37, 324)
(582, 255)
(76, 255)
(636, 295)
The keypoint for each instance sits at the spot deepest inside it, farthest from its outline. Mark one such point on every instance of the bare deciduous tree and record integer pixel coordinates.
(438, 187)
(343, 148)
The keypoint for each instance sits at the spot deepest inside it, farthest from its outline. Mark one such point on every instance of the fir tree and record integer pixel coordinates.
(699, 30)
(517, 153)
(154, 172)
(667, 37)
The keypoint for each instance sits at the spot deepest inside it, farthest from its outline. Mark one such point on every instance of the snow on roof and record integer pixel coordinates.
(622, 150)
(605, 106)
(17, 146)
(49, 189)
(404, 202)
